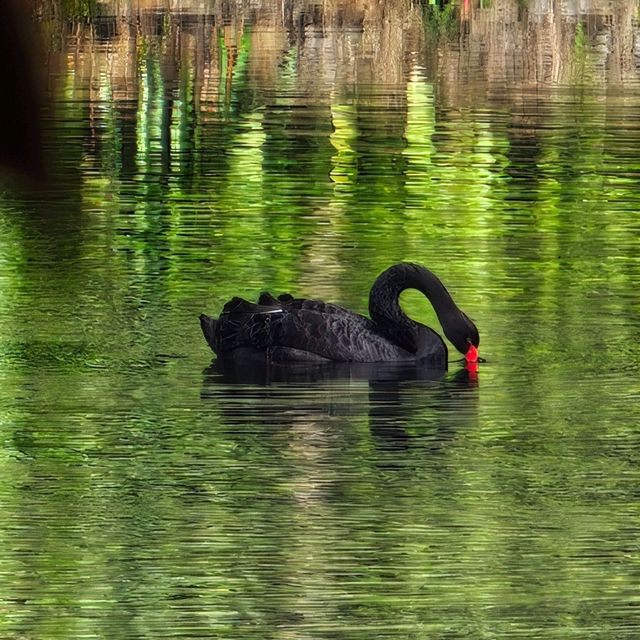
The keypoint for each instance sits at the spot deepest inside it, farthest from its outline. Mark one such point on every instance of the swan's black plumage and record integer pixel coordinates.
(288, 329)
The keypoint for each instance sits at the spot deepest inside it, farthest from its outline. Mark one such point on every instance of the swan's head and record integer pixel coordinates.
(462, 333)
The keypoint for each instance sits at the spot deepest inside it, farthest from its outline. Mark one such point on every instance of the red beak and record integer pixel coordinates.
(472, 354)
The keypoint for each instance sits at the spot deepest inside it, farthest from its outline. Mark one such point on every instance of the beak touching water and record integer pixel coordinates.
(472, 354)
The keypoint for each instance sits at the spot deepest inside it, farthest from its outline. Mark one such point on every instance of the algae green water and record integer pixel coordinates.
(198, 155)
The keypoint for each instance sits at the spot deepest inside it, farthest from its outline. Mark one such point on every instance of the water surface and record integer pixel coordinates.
(208, 153)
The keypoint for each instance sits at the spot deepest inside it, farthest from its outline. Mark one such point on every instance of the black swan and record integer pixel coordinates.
(288, 329)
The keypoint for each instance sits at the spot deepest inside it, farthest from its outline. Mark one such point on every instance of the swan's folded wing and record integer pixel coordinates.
(343, 336)
(237, 306)
(325, 331)
(266, 299)
(325, 308)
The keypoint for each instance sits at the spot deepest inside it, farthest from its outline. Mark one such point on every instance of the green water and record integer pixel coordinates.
(197, 156)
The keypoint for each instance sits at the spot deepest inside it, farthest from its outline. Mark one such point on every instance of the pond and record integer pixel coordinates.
(226, 149)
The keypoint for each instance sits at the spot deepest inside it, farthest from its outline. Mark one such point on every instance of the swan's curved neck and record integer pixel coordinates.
(384, 299)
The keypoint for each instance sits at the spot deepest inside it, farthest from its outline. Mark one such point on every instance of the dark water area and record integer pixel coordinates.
(229, 148)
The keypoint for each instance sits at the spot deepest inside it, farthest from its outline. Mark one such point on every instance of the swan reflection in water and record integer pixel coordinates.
(404, 402)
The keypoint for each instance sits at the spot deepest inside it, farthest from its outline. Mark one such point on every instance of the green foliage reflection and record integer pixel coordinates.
(141, 496)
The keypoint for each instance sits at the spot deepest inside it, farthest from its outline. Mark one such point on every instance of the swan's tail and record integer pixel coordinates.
(208, 326)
